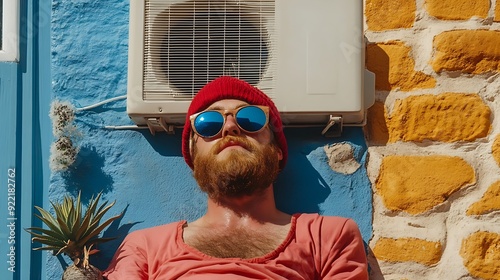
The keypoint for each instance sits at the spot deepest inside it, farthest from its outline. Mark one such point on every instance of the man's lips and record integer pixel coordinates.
(231, 144)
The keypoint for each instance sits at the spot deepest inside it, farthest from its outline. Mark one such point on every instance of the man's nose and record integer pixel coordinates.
(230, 126)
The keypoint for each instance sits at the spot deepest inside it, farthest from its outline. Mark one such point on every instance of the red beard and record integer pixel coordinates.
(241, 173)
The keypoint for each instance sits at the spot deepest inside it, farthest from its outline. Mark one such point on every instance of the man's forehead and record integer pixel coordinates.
(227, 104)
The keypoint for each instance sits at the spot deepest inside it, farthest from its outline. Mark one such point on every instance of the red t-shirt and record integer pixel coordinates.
(317, 247)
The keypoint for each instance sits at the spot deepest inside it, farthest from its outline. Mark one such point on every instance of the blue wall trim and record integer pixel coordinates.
(8, 98)
(25, 94)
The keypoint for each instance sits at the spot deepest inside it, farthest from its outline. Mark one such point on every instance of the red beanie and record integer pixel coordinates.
(226, 87)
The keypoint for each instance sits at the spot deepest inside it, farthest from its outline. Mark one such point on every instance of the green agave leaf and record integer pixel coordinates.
(93, 205)
(102, 240)
(97, 219)
(94, 201)
(84, 226)
(70, 219)
(77, 225)
(74, 223)
(67, 210)
(67, 205)
(96, 231)
(58, 209)
(52, 248)
(48, 242)
(47, 219)
(47, 238)
(89, 221)
(103, 209)
(35, 231)
(102, 206)
(64, 228)
(53, 231)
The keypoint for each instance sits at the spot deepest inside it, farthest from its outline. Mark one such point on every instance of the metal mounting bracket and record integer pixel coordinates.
(155, 124)
(334, 127)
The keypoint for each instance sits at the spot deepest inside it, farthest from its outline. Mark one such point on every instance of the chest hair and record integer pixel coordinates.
(236, 243)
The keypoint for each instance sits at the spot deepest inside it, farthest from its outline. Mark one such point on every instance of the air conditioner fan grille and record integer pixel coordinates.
(189, 43)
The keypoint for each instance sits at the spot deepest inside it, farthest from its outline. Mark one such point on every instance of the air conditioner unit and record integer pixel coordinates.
(307, 55)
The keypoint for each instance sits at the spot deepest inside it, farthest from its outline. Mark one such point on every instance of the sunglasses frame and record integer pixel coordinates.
(225, 113)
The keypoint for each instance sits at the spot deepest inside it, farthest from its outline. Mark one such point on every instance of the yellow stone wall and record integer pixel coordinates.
(434, 138)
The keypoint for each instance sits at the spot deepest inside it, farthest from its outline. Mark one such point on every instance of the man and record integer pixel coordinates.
(234, 142)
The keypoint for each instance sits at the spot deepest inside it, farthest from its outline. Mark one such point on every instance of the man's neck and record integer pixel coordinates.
(244, 211)
(246, 227)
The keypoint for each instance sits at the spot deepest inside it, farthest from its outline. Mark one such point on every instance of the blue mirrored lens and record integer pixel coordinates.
(251, 118)
(209, 123)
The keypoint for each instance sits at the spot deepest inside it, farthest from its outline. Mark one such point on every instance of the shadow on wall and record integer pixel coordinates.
(82, 175)
(304, 193)
(373, 266)
(377, 61)
(301, 187)
(159, 142)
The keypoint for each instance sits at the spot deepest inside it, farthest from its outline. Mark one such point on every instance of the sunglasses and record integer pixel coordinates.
(209, 123)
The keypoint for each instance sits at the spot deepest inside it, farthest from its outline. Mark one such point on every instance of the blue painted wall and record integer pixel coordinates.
(146, 174)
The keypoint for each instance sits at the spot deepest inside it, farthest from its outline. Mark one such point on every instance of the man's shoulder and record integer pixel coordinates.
(320, 223)
(156, 231)
(325, 230)
(317, 218)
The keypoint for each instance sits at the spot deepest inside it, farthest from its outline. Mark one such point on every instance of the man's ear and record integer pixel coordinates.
(280, 154)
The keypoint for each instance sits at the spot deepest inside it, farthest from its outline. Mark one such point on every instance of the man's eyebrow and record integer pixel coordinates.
(222, 108)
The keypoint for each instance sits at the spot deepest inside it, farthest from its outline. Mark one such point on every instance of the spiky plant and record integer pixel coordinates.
(74, 232)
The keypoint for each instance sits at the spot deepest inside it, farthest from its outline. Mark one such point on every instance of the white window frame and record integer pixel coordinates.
(10, 31)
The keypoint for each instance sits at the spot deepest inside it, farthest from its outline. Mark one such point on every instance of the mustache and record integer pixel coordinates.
(233, 140)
